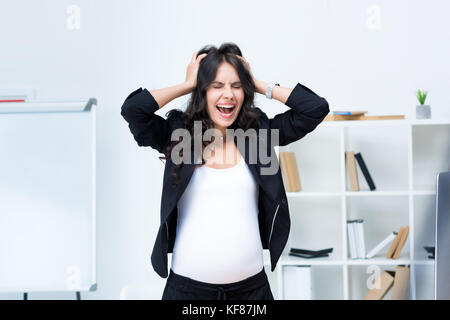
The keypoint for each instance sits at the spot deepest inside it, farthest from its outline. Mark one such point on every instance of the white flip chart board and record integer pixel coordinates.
(47, 196)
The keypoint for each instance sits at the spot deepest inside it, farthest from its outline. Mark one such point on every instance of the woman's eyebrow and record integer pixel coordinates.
(215, 81)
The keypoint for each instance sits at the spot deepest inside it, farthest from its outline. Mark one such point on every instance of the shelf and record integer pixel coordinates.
(360, 193)
(424, 262)
(403, 164)
(376, 193)
(328, 261)
(394, 122)
(47, 106)
(312, 194)
(388, 262)
(351, 123)
(378, 261)
(286, 260)
(424, 193)
(427, 122)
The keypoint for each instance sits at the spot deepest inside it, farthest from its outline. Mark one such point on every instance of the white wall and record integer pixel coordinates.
(122, 45)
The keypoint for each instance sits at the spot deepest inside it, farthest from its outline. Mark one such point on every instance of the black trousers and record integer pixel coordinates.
(255, 287)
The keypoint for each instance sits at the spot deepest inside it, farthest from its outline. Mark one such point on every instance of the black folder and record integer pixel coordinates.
(303, 253)
(308, 256)
(311, 252)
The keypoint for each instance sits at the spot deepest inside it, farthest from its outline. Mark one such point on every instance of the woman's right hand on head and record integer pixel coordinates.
(192, 69)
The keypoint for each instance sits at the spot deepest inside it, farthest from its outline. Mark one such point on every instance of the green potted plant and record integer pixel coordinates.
(423, 111)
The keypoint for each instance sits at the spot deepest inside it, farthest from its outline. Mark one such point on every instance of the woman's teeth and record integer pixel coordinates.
(225, 108)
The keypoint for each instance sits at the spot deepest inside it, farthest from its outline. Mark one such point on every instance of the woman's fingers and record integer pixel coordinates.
(246, 65)
(244, 62)
(192, 68)
(200, 57)
(193, 56)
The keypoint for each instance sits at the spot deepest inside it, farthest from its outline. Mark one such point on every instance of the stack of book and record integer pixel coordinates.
(349, 113)
(397, 280)
(11, 94)
(308, 254)
(289, 172)
(350, 157)
(355, 231)
(346, 115)
(430, 250)
(358, 115)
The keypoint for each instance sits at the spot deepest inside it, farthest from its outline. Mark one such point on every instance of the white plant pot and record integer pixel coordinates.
(423, 112)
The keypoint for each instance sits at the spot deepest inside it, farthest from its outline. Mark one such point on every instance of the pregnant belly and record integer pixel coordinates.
(214, 255)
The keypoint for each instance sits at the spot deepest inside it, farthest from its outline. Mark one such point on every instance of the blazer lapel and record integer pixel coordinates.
(170, 195)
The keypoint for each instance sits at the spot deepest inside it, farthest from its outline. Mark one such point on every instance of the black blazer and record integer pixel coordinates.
(307, 110)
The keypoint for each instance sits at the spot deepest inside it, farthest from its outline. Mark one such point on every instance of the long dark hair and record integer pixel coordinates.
(197, 105)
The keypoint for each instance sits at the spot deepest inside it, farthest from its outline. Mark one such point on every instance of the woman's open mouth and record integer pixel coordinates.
(225, 111)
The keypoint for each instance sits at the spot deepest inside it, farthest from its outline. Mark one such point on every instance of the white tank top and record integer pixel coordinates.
(217, 239)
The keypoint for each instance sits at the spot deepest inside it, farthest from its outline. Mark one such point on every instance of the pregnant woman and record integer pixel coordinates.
(219, 211)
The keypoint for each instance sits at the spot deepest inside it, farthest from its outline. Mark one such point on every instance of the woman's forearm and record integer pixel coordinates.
(165, 95)
(279, 93)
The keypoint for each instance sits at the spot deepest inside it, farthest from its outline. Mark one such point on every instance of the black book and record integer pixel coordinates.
(364, 170)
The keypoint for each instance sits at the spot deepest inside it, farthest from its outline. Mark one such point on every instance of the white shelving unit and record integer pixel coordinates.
(403, 158)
